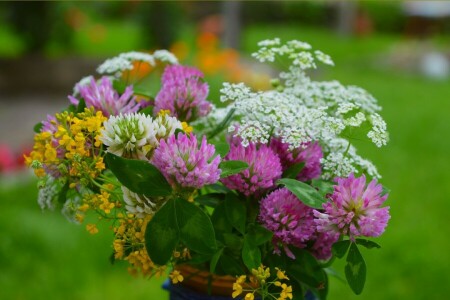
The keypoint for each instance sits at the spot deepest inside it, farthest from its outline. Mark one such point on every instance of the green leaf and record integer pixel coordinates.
(220, 127)
(355, 270)
(231, 167)
(211, 200)
(215, 260)
(142, 92)
(196, 229)
(220, 220)
(222, 148)
(177, 131)
(148, 111)
(251, 255)
(139, 176)
(162, 234)
(368, 244)
(62, 196)
(293, 170)
(385, 191)
(304, 192)
(236, 212)
(199, 259)
(81, 106)
(233, 241)
(219, 188)
(230, 265)
(339, 249)
(258, 235)
(325, 187)
(38, 127)
(119, 86)
(306, 269)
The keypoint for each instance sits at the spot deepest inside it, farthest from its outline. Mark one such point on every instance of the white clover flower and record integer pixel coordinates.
(138, 56)
(324, 58)
(164, 126)
(128, 135)
(165, 56)
(140, 205)
(115, 65)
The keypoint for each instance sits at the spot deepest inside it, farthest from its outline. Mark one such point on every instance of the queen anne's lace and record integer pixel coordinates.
(301, 110)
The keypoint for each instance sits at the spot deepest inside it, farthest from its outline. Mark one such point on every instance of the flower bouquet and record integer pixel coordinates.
(263, 186)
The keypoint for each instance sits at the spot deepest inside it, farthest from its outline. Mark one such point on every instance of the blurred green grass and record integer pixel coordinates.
(43, 256)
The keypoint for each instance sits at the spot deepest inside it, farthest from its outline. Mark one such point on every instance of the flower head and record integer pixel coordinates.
(310, 154)
(128, 135)
(264, 169)
(184, 163)
(102, 96)
(291, 222)
(140, 205)
(354, 209)
(183, 93)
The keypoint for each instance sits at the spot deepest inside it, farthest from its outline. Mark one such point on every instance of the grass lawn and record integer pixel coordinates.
(42, 256)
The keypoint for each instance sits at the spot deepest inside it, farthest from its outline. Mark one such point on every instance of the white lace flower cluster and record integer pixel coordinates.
(135, 135)
(301, 110)
(124, 62)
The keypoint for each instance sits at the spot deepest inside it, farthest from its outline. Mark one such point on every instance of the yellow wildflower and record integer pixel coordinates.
(176, 277)
(237, 290)
(92, 228)
(249, 296)
(281, 275)
(186, 127)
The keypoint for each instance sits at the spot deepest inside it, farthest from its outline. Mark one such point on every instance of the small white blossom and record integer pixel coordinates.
(234, 92)
(48, 193)
(356, 120)
(138, 56)
(299, 45)
(378, 134)
(269, 43)
(165, 56)
(324, 58)
(304, 60)
(265, 54)
(115, 65)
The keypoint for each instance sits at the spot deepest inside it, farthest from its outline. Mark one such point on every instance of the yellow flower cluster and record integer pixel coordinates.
(73, 150)
(260, 283)
(129, 245)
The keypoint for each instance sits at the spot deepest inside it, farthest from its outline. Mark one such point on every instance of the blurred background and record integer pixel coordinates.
(398, 51)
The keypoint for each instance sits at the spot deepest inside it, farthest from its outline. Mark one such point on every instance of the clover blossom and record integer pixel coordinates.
(183, 93)
(102, 96)
(186, 164)
(354, 209)
(128, 135)
(264, 168)
(310, 154)
(291, 222)
(140, 205)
